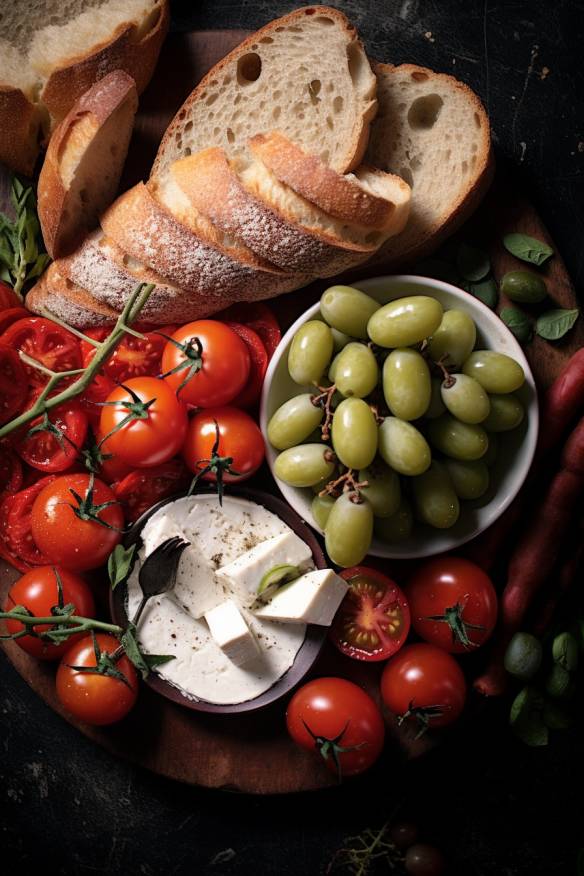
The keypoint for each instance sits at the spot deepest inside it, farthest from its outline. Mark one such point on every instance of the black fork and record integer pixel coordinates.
(158, 573)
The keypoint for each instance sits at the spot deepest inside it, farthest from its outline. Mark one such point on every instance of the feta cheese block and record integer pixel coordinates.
(229, 629)
(244, 575)
(311, 599)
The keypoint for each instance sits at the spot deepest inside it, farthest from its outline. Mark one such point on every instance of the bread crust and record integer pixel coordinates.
(21, 126)
(67, 301)
(102, 100)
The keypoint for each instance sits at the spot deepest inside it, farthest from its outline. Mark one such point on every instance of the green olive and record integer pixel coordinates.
(525, 287)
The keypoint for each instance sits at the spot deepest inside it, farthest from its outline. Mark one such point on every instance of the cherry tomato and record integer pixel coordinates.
(239, 438)
(453, 604)
(48, 452)
(373, 620)
(133, 357)
(16, 538)
(113, 468)
(8, 297)
(11, 315)
(425, 684)
(225, 363)
(91, 697)
(140, 490)
(38, 591)
(328, 715)
(96, 393)
(153, 436)
(13, 383)
(11, 476)
(258, 359)
(76, 535)
(424, 860)
(259, 317)
(48, 343)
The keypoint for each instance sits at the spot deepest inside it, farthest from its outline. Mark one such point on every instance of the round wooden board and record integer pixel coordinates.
(253, 753)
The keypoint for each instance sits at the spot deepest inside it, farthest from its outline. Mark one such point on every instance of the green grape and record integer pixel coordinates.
(403, 447)
(434, 497)
(340, 340)
(495, 372)
(406, 384)
(507, 412)
(454, 338)
(405, 321)
(319, 486)
(304, 465)
(436, 406)
(354, 433)
(355, 370)
(348, 310)
(294, 422)
(490, 456)
(383, 490)
(465, 398)
(310, 352)
(458, 440)
(332, 372)
(321, 508)
(469, 479)
(348, 530)
(398, 527)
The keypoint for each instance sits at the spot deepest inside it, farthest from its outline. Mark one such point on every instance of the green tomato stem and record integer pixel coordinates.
(78, 624)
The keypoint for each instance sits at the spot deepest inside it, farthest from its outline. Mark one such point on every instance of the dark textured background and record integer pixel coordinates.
(495, 806)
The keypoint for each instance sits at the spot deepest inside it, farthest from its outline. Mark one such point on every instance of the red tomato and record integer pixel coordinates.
(239, 438)
(113, 468)
(213, 366)
(258, 359)
(13, 383)
(76, 535)
(38, 591)
(140, 490)
(155, 434)
(453, 604)
(10, 472)
(48, 343)
(19, 546)
(133, 357)
(45, 450)
(92, 697)
(8, 297)
(259, 317)
(373, 620)
(11, 315)
(425, 684)
(96, 393)
(338, 720)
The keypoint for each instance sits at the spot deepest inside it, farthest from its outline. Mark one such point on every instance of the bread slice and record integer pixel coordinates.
(306, 74)
(64, 299)
(433, 131)
(52, 52)
(366, 197)
(82, 168)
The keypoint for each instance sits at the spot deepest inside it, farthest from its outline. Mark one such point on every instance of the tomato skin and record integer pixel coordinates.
(133, 357)
(443, 583)
(113, 469)
(259, 317)
(97, 392)
(11, 475)
(225, 367)
(95, 699)
(11, 315)
(17, 543)
(37, 591)
(143, 443)
(142, 489)
(330, 707)
(45, 341)
(8, 297)
(373, 620)
(422, 676)
(64, 539)
(239, 438)
(44, 452)
(258, 359)
(13, 383)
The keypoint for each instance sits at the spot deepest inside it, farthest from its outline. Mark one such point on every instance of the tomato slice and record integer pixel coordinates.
(18, 545)
(45, 341)
(373, 620)
(11, 475)
(140, 490)
(258, 359)
(8, 297)
(13, 383)
(10, 315)
(133, 357)
(259, 317)
(45, 450)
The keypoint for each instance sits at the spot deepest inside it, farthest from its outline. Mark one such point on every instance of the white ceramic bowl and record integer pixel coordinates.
(517, 447)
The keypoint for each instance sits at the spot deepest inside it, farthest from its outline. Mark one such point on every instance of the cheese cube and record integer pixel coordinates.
(243, 575)
(229, 629)
(312, 599)
(196, 588)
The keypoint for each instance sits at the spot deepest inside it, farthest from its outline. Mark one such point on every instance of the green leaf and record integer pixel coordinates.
(130, 644)
(565, 651)
(554, 324)
(154, 660)
(119, 564)
(486, 291)
(526, 717)
(473, 264)
(517, 323)
(527, 248)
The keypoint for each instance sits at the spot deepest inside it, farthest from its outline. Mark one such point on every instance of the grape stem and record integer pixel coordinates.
(347, 482)
(324, 400)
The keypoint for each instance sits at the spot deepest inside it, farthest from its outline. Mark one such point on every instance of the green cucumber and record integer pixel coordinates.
(277, 576)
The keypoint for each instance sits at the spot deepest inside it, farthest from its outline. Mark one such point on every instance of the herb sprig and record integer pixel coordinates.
(22, 255)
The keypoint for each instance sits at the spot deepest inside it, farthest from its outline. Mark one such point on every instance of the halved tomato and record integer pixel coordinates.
(10, 315)
(259, 317)
(16, 540)
(54, 445)
(373, 620)
(10, 472)
(48, 343)
(8, 297)
(13, 383)
(133, 357)
(258, 365)
(140, 490)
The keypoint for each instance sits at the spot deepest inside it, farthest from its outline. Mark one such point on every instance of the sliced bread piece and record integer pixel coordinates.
(64, 299)
(82, 168)
(306, 74)
(366, 197)
(433, 131)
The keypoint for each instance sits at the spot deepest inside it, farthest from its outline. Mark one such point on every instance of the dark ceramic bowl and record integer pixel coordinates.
(315, 635)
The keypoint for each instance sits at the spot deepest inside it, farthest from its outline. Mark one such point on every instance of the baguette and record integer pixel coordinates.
(64, 299)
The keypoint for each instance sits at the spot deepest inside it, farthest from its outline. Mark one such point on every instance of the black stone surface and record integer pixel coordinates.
(496, 807)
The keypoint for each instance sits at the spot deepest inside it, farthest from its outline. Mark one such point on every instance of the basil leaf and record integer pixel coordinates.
(154, 660)
(473, 264)
(517, 323)
(119, 563)
(486, 291)
(527, 248)
(133, 653)
(554, 324)
(526, 717)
